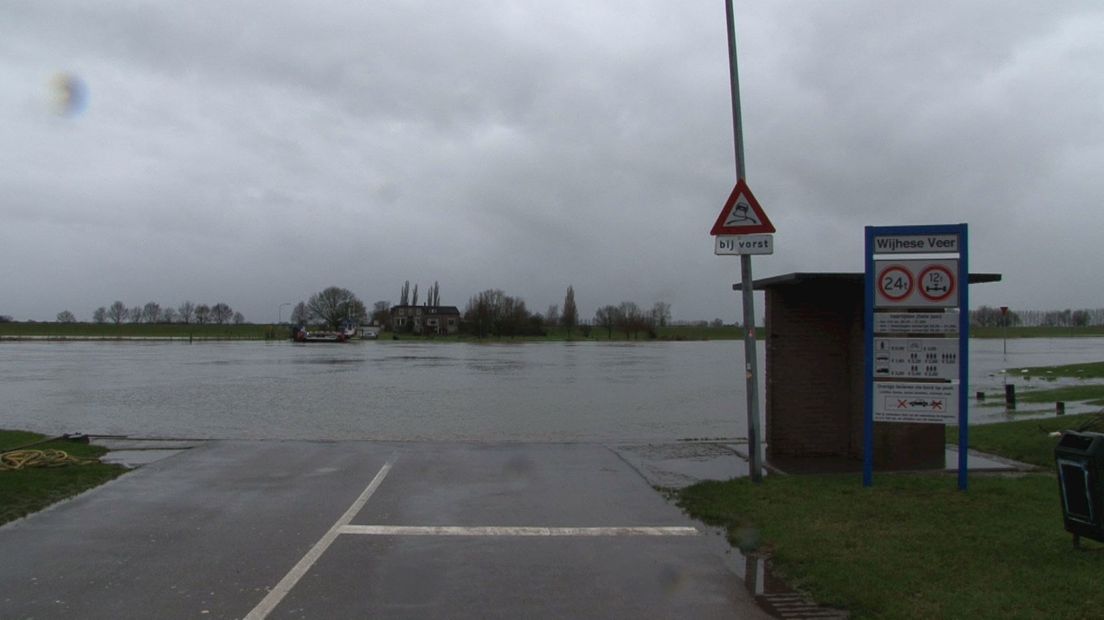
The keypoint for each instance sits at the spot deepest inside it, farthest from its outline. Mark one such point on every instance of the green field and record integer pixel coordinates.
(1037, 332)
(142, 330)
(913, 546)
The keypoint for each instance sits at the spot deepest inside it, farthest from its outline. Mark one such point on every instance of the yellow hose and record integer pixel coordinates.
(22, 459)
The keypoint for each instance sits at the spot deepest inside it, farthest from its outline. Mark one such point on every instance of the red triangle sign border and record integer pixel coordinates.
(764, 225)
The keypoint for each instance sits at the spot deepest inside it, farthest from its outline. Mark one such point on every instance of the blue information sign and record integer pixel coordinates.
(915, 375)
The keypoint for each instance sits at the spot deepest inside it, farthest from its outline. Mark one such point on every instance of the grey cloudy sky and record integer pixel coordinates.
(256, 152)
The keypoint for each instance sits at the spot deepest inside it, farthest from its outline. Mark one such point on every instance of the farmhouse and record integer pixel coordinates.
(438, 320)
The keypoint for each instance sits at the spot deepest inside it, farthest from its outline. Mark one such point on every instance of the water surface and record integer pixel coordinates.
(586, 391)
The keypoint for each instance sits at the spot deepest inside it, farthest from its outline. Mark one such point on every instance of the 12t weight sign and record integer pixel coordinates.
(916, 284)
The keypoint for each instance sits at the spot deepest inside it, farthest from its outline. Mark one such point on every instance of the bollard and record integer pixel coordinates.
(1060, 408)
(1010, 396)
(980, 396)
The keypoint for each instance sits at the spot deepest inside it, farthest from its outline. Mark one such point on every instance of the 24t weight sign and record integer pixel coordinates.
(894, 283)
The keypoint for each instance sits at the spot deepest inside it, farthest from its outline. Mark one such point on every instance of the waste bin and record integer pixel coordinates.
(1080, 460)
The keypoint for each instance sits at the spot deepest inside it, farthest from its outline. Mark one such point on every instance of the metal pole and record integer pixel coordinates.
(1004, 333)
(751, 361)
(734, 83)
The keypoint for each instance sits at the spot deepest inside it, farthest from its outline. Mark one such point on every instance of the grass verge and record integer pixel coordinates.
(913, 546)
(29, 490)
(1027, 441)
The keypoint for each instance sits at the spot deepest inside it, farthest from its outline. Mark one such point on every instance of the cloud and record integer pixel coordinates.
(257, 152)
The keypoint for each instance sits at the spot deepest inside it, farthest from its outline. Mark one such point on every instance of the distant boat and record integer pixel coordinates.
(302, 335)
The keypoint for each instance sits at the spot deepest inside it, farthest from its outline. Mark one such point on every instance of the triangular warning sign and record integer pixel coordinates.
(742, 214)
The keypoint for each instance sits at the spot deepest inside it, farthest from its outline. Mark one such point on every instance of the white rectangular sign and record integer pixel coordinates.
(919, 323)
(926, 283)
(927, 403)
(916, 358)
(916, 244)
(743, 244)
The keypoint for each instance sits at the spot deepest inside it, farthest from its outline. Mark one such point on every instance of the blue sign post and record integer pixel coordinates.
(917, 332)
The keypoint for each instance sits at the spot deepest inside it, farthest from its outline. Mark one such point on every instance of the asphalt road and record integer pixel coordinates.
(356, 529)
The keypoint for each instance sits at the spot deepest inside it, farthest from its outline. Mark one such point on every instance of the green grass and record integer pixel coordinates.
(1037, 332)
(29, 490)
(1027, 441)
(1091, 370)
(913, 546)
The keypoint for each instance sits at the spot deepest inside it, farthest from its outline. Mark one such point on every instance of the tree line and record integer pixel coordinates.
(187, 313)
(490, 313)
(987, 316)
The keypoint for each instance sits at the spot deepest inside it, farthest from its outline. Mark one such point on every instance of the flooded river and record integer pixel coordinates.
(587, 391)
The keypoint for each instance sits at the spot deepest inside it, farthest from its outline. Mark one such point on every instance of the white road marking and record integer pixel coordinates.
(401, 530)
(277, 593)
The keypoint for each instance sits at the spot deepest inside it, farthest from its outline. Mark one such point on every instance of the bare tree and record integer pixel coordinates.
(570, 316)
(335, 305)
(202, 313)
(117, 312)
(135, 314)
(630, 318)
(552, 317)
(100, 315)
(493, 312)
(299, 314)
(221, 313)
(168, 315)
(434, 296)
(66, 317)
(607, 317)
(414, 298)
(151, 313)
(404, 298)
(187, 312)
(661, 314)
(239, 318)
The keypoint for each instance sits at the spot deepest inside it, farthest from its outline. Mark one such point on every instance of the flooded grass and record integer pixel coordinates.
(1093, 394)
(24, 491)
(1092, 370)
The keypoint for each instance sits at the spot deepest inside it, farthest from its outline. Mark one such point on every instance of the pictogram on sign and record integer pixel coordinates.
(741, 214)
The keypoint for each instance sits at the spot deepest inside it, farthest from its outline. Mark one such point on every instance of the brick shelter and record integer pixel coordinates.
(814, 380)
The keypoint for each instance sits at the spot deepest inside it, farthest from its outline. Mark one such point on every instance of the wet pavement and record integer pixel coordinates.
(232, 529)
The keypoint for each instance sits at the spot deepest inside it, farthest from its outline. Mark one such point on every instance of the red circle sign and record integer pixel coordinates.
(895, 283)
(936, 283)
